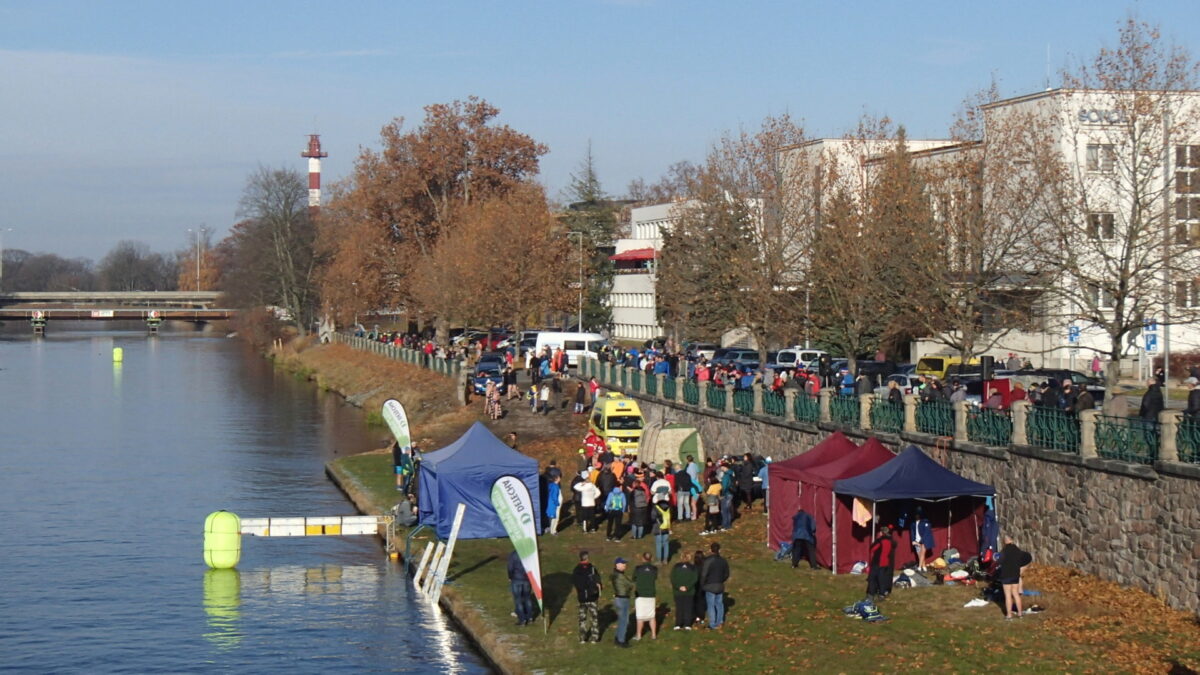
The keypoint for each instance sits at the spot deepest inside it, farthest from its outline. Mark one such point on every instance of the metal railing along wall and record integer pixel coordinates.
(887, 416)
(807, 408)
(989, 427)
(845, 410)
(1187, 440)
(743, 401)
(774, 404)
(446, 367)
(936, 418)
(1129, 439)
(1052, 429)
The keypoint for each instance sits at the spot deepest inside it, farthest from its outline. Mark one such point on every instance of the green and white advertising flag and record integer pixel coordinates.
(397, 421)
(515, 508)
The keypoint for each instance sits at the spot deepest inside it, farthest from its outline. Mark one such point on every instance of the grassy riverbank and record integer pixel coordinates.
(779, 619)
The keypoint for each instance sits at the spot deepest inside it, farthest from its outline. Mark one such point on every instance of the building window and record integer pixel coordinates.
(1187, 156)
(1187, 220)
(1101, 226)
(1187, 294)
(1101, 298)
(1100, 158)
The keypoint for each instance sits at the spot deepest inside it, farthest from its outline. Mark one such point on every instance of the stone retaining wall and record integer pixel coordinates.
(1134, 524)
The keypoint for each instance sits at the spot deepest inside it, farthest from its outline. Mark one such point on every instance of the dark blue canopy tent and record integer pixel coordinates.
(463, 472)
(913, 476)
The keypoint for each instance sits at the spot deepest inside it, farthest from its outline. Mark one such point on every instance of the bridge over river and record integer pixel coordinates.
(153, 307)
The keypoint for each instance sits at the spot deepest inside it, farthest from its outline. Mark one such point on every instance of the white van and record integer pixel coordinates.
(574, 344)
(796, 357)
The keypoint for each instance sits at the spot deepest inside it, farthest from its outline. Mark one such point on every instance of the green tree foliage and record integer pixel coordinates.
(591, 212)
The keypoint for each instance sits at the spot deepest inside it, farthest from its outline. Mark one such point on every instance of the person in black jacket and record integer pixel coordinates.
(1193, 404)
(1012, 559)
(586, 579)
(522, 590)
(714, 572)
(883, 562)
(1152, 401)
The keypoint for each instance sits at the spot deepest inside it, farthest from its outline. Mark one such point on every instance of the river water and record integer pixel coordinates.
(106, 475)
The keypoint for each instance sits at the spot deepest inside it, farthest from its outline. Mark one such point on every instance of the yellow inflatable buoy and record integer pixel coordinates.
(118, 355)
(222, 540)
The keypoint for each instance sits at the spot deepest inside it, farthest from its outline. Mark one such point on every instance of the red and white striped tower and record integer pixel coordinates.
(314, 156)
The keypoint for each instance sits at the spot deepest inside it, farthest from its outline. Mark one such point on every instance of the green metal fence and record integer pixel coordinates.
(844, 410)
(887, 416)
(669, 388)
(935, 417)
(1052, 429)
(691, 393)
(635, 381)
(716, 397)
(743, 401)
(774, 404)
(1187, 440)
(651, 385)
(1129, 439)
(806, 408)
(989, 427)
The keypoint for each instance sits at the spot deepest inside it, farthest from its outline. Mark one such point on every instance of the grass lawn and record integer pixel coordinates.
(781, 620)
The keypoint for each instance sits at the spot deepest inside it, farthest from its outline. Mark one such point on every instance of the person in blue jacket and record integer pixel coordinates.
(553, 501)
(922, 537)
(804, 539)
(989, 536)
(847, 383)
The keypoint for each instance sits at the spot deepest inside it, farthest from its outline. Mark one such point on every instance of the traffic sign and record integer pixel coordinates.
(1073, 335)
(1151, 342)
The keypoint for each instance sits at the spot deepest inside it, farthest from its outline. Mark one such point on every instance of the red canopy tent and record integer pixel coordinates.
(783, 481)
(839, 540)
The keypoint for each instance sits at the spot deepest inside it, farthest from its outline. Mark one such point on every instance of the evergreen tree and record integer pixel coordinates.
(591, 212)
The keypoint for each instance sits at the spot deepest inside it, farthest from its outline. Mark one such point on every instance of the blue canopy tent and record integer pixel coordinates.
(463, 472)
(913, 476)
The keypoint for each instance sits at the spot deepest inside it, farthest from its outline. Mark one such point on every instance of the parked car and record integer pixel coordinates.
(484, 373)
(793, 358)
(727, 356)
(905, 381)
(492, 357)
(705, 349)
(1030, 376)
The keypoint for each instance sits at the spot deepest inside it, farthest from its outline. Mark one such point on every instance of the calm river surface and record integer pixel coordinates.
(106, 475)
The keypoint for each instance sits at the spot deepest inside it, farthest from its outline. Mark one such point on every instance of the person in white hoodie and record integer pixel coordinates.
(588, 493)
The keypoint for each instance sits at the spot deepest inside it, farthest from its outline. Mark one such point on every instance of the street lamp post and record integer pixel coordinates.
(197, 232)
(579, 320)
(2, 231)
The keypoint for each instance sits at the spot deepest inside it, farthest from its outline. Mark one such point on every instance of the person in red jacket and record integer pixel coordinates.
(883, 562)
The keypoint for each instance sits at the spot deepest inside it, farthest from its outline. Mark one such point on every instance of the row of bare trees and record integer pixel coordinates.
(1075, 207)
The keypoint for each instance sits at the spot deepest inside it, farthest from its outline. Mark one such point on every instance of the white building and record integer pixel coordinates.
(1128, 165)
(632, 299)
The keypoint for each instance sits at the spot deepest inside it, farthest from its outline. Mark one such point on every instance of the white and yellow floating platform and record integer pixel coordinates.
(223, 532)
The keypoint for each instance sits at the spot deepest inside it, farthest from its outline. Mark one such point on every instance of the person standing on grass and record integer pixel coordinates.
(684, 577)
(762, 483)
(522, 590)
(588, 494)
(883, 563)
(922, 537)
(614, 510)
(699, 607)
(662, 530)
(727, 491)
(639, 508)
(622, 592)
(544, 395)
(1012, 559)
(683, 495)
(712, 509)
(586, 579)
(646, 606)
(714, 572)
(554, 501)
(804, 539)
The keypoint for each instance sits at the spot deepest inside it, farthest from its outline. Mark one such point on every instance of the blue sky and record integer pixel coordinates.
(139, 120)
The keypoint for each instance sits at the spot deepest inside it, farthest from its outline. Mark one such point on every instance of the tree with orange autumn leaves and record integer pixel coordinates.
(396, 220)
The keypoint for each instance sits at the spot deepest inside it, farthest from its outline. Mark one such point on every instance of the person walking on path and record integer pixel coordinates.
(522, 590)
(586, 579)
(684, 577)
(883, 562)
(662, 530)
(644, 579)
(580, 393)
(714, 572)
(622, 592)
(804, 539)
